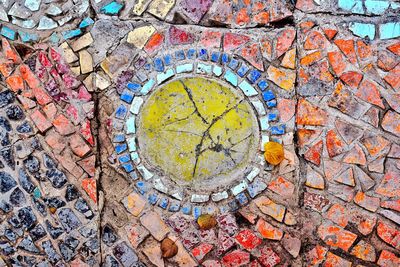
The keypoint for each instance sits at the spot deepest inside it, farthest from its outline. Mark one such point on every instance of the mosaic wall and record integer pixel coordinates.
(200, 133)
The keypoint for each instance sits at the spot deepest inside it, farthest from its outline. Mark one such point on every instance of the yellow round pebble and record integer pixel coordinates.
(273, 153)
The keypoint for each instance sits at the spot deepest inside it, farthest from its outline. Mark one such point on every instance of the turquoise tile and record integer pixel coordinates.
(217, 70)
(112, 8)
(184, 68)
(363, 29)
(247, 89)
(28, 37)
(354, 6)
(231, 77)
(389, 30)
(161, 77)
(377, 7)
(204, 68)
(147, 87)
(130, 125)
(71, 33)
(86, 22)
(8, 33)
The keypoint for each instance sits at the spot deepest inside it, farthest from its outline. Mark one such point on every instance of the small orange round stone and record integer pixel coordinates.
(273, 153)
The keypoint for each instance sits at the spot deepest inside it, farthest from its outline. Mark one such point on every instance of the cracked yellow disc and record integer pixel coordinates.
(196, 128)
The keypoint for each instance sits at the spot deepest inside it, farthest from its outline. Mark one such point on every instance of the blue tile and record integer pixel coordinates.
(233, 205)
(224, 58)
(147, 66)
(128, 167)
(133, 176)
(243, 70)
(8, 33)
(71, 34)
(158, 65)
(180, 55)
(253, 76)
(262, 85)
(124, 158)
(233, 64)
(86, 22)
(134, 87)
(163, 203)
(168, 60)
(215, 57)
(175, 206)
(120, 148)
(143, 187)
(272, 117)
(271, 104)
(127, 96)
(278, 130)
(242, 199)
(203, 55)
(119, 138)
(186, 209)
(256, 188)
(197, 211)
(191, 53)
(152, 198)
(268, 95)
(121, 111)
(112, 8)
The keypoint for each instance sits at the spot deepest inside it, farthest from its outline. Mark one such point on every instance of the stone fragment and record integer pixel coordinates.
(155, 225)
(314, 179)
(390, 122)
(82, 42)
(139, 36)
(284, 41)
(136, 234)
(314, 153)
(63, 125)
(85, 61)
(390, 185)
(308, 114)
(268, 231)
(292, 245)
(268, 257)
(283, 78)
(282, 187)
(367, 202)
(388, 259)
(160, 8)
(201, 251)
(338, 214)
(125, 254)
(317, 255)
(389, 234)
(46, 23)
(270, 208)
(334, 260)
(336, 237)
(334, 144)
(134, 203)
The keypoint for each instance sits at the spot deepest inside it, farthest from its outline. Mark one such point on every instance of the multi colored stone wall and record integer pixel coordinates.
(200, 133)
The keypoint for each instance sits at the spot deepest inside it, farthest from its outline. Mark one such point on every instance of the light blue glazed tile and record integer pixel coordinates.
(354, 6)
(217, 70)
(132, 144)
(389, 30)
(130, 125)
(231, 77)
(203, 68)
(247, 89)
(264, 123)
(188, 67)
(161, 77)
(147, 87)
(377, 7)
(135, 157)
(363, 29)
